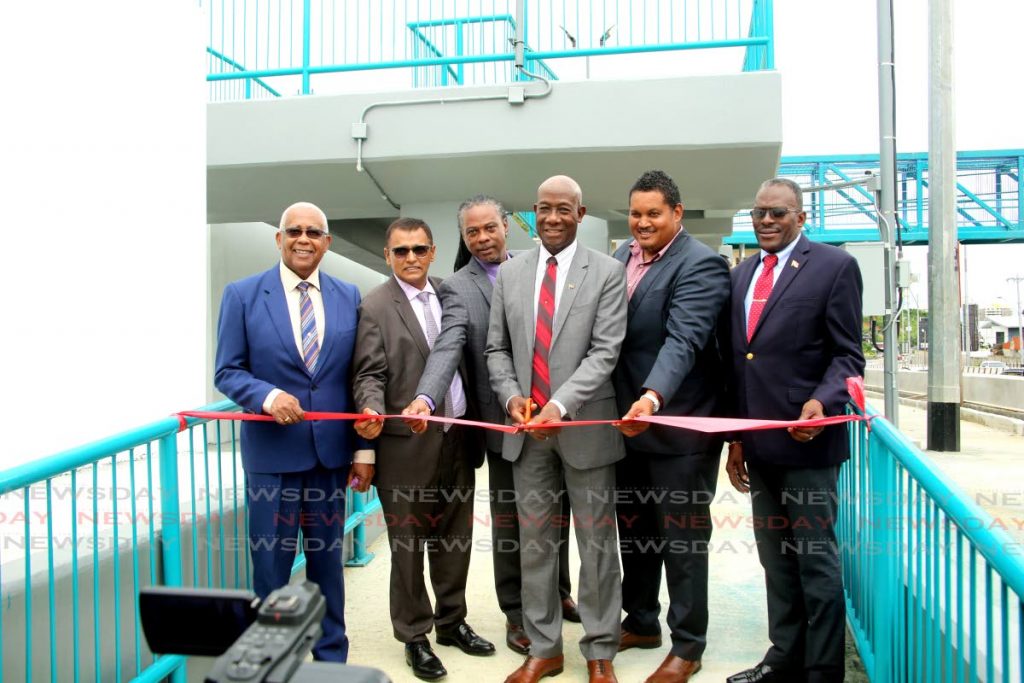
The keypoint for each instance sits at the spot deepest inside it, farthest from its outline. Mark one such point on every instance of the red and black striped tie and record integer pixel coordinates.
(540, 392)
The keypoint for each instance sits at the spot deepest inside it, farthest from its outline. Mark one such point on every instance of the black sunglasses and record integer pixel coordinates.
(777, 212)
(420, 250)
(311, 233)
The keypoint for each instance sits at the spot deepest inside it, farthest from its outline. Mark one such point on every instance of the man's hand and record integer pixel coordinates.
(641, 406)
(360, 476)
(518, 407)
(417, 407)
(369, 429)
(812, 410)
(286, 409)
(736, 468)
(549, 413)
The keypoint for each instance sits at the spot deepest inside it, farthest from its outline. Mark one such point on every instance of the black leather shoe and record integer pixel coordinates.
(463, 637)
(515, 638)
(763, 673)
(425, 664)
(569, 610)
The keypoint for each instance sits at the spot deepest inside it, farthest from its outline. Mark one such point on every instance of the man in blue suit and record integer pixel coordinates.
(795, 337)
(284, 345)
(670, 364)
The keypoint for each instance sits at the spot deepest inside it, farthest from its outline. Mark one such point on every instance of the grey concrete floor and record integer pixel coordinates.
(990, 469)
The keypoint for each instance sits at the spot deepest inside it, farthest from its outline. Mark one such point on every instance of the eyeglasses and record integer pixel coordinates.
(311, 233)
(777, 212)
(420, 250)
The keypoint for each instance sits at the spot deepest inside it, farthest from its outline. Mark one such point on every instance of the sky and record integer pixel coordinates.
(827, 54)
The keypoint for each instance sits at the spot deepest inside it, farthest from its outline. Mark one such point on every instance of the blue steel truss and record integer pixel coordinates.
(988, 204)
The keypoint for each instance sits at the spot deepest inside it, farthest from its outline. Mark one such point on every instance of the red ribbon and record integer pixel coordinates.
(708, 425)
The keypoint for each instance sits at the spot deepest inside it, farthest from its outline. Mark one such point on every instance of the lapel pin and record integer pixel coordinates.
(795, 264)
(570, 285)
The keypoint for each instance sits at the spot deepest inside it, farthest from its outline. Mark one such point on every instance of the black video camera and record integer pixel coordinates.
(253, 642)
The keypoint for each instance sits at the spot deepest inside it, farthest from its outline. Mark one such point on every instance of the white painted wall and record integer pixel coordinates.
(102, 192)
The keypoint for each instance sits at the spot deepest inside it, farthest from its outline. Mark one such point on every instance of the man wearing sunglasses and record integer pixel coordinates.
(795, 337)
(284, 346)
(425, 484)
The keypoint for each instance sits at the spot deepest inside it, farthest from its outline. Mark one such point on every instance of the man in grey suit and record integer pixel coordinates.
(670, 364)
(466, 302)
(425, 484)
(558, 317)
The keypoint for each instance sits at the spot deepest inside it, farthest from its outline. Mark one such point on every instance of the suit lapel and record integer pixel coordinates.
(529, 266)
(408, 317)
(481, 279)
(573, 282)
(656, 269)
(277, 308)
(331, 298)
(798, 257)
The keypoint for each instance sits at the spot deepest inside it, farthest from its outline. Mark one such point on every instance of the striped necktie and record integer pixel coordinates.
(430, 323)
(307, 326)
(540, 391)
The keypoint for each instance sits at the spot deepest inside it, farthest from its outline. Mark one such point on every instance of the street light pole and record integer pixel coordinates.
(1020, 331)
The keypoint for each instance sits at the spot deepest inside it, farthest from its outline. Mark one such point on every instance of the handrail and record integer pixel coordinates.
(952, 500)
(40, 470)
(931, 592)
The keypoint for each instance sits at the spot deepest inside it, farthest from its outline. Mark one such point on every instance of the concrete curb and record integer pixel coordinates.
(1001, 422)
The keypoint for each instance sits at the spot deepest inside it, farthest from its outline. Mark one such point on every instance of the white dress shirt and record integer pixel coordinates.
(783, 255)
(564, 260)
(458, 406)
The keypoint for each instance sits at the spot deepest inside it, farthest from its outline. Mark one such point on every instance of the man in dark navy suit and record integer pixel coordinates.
(671, 365)
(796, 337)
(284, 345)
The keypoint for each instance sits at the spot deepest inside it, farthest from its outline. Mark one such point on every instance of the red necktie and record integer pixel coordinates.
(762, 290)
(540, 391)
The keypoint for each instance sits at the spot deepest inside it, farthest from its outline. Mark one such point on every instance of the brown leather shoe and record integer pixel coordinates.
(601, 671)
(674, 670)
(535, 668)
(515, 638)
(569, 610)
(629, 640)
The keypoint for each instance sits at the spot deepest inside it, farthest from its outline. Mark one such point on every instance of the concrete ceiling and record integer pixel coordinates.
(263, 156)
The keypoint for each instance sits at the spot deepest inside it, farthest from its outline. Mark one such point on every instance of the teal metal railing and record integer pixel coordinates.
(934, 585)
(988, 204)
(84, 529)
(348, 44)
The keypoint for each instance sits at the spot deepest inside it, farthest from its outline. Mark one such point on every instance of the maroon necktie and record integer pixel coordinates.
(762, 290)
(540, 391)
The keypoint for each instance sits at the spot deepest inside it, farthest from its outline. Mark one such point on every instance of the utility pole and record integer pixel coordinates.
(885, 198)
(1017, 279)
(943, 288)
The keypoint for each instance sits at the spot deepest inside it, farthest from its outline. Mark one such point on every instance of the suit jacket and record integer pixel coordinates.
(466, 314)
(256, 352)
(671, 345)
(391, 352)
(588, 328)
(807, 342)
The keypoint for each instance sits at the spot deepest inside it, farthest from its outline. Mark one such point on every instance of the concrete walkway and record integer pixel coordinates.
(737, 635)
(990, 469)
